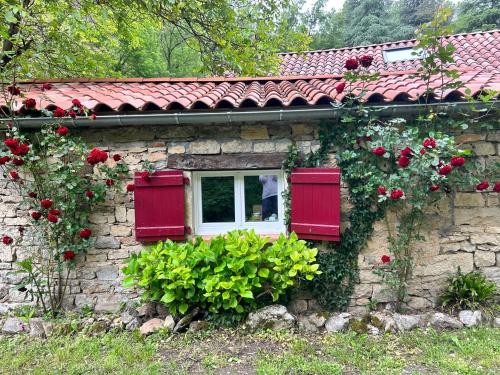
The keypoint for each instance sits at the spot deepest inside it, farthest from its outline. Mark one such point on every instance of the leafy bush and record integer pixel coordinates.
(228, 274)
(468, 291)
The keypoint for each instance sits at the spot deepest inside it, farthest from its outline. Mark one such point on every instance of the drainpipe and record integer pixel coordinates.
(242, 116)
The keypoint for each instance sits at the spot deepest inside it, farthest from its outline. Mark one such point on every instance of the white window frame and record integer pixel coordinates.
(261, 227)
(402, 54)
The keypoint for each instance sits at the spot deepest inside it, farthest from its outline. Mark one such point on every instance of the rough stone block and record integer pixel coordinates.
(264, 147)
(121, 230)
(107, 303)
(469, 200)
(468, 138)
(235, 146)
(443, 265)
(121, 214)
(252, 132)
(204, 147)
(107, 273)
(477, 216)
(107, 242)
(484, 148)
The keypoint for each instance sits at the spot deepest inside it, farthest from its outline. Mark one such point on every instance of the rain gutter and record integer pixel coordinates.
(242, 116)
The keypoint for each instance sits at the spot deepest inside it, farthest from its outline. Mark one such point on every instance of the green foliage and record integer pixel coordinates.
(478, 15)
(467, 291)
(115, 37)
(228, 274)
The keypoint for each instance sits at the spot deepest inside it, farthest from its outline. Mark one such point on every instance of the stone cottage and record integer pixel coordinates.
(216, 141)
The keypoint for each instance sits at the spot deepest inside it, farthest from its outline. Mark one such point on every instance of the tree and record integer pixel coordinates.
(61, 38)
(478, 15)
(367, 22)
(411, 14)
(326, 26)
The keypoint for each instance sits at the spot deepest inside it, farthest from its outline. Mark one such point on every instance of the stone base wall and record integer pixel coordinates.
(463, 232)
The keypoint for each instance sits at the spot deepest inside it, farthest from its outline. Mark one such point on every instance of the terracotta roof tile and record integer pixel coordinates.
(306, 79)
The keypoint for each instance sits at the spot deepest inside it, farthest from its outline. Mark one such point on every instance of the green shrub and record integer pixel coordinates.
(467, 291)
(228, 274)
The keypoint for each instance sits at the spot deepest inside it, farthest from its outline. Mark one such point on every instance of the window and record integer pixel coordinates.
(229, 200)
(401, 54)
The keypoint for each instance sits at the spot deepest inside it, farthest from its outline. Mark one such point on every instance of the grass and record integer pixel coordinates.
(470, 351)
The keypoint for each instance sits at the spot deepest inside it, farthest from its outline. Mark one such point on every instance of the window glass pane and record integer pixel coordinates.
(261, 198)
(217, 197)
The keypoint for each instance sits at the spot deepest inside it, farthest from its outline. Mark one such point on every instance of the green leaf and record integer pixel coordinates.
(183, 308)
(264, 272)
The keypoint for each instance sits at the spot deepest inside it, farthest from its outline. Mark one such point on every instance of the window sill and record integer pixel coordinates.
(207, 237)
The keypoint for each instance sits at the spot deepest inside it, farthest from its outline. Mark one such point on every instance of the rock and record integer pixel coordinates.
(298, 306)
(387, 321)
(169, 323)
(443, 321)
(96, 328)
(48, 328)
(338, 322)
(133, 324)
(407, 322)
(126, 317)
(36, 328)
(14, 326)
(107, 242)
(496, 322)
(470, 318)
(161, 311)
(147, 310)
(311, 323)
(198, 326)
(271, 317)
(107, 273)
(152, 325)
(117, 323)
(372, 330)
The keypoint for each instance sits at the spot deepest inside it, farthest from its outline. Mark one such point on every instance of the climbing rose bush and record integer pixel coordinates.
(60, 181)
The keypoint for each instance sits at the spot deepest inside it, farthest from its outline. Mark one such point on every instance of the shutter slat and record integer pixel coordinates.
(315, 203)
(159, 206)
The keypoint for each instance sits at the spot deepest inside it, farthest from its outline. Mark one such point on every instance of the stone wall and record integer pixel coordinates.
(463, 232)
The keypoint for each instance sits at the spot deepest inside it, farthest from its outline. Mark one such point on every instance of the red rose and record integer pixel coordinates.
(381, 190)
(89, 194)
(4, 159)
(429, 142)
(93, 116)
(59, 112)
(46, 203)
(71, 113)
(47, 86)
(407, 152)
(20, 150)
(11, 143)
(379, 151)
(62, 130)
(18, 162)
(130, 187)
(32, 194)
(144, 175)
(366, 60)
(403, 161)
(117, 157)
(397, 194)
(385, 259)
(496, 188)
(482, 186)
(52, 218)
(29, 103)
(423, 151)
(457, 161)
(55, 212)
(445, 169)
(68, 255)
(97, 156)
(85, 233)
(36, 215)
(14, 175)
(434, 188)
(14, 90)
(351, 64)
(7, 240)
(340, 88)
(76, 102)
(110, 182)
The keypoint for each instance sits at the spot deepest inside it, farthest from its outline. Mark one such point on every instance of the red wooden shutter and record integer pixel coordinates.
(159, 206)
(315, 203)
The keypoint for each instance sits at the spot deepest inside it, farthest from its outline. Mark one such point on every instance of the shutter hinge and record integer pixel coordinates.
(186, 181)
(187, 230)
